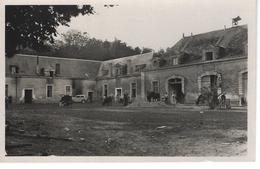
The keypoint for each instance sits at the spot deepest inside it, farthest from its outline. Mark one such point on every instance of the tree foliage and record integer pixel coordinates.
(79, 45)
(33, 25)
(76, 44)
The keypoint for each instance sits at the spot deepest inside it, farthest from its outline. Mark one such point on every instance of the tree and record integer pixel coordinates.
(33, 25)
(137, 50)
(159, 54)
(75, 38)
(147, 50)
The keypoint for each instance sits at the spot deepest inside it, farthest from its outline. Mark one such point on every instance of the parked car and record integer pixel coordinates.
(79, 99)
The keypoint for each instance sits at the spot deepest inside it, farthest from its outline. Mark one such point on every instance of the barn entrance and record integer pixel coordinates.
(175, 87)
(28, 96)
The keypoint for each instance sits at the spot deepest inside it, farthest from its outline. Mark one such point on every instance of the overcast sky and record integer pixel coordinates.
(158, 24)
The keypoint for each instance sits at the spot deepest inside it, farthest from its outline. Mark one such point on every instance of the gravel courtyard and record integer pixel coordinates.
(95, 130)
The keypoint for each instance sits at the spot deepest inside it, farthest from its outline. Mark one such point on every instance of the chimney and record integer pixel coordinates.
(225, 27)
(129, 66)
(183, 35)
(191, 34)
(110, 69)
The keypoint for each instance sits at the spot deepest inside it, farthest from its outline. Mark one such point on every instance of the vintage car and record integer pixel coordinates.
(79, 99)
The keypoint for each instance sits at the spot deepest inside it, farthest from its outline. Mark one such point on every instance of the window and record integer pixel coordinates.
(105, 90)
(57, 69)
(156, 86)
(118, 71)
(51, 73)
(133, 92)
(208, 56)
(42, 71)
(124, 69)
(14, 69)
(68, 90)
(105, 72)
(49, 90)
(6, 90)
(175, 61)
(139, 68)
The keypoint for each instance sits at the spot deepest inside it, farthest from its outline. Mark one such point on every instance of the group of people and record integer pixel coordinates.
(108, 100)
(172, 98)
(213, 99)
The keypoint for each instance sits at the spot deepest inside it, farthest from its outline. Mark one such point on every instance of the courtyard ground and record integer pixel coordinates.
(95, 130)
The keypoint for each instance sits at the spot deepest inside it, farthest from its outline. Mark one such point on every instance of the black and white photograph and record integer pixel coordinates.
(170, 78)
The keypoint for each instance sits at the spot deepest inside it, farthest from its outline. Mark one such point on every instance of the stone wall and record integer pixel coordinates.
(122, 82)
(39, 87)
(228, 69)
(85, 86)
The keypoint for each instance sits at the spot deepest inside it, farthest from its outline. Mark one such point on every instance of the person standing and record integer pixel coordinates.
(125, 99)
(166, 97)
(173, 97)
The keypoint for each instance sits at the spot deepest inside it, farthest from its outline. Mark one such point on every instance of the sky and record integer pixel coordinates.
(158, 24)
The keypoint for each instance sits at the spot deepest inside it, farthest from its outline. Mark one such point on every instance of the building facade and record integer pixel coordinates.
(210, 61)
(44, 79)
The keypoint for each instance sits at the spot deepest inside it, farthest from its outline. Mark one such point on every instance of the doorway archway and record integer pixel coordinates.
(209, 81)
(175, 84)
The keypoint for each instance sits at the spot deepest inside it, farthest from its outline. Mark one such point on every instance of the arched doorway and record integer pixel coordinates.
(209, 82)
(175, 84)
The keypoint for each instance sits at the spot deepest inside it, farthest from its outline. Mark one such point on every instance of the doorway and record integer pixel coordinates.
(209, 83)
(28, 96)
(175, 86)
(118, 94)
(90, 96)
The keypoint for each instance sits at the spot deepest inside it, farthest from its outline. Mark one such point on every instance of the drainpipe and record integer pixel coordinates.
(143, 85)
(16, 98)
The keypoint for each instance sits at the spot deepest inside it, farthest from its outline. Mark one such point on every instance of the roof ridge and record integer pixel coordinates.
(129, 56)
(54, 57)
(240, 26)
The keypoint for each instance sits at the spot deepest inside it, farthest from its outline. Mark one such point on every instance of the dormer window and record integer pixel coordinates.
(124, 69)
(57, 69)
(118, 71)
(14, 69)
(140, 68)
(51, 73)
(175, 61)
(208, 56)
(42, 71)
(105, 72)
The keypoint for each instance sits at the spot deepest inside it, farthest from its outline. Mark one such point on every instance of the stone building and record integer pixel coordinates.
(214, 60)
(119, 76)
(35, 79)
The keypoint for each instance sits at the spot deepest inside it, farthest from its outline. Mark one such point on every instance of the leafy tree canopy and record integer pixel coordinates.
(76, 44)
(32, 25)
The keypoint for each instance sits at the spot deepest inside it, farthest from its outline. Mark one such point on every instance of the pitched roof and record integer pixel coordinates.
(233, 39)
(70, 68)
(139, 59)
